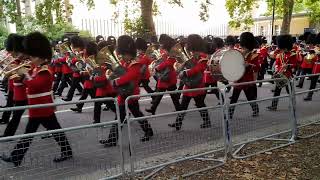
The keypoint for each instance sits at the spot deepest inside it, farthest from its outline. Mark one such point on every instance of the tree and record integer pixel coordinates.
(138, 14)
(240, 12)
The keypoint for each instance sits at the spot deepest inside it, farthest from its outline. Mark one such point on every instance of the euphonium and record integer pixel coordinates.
(309, 57)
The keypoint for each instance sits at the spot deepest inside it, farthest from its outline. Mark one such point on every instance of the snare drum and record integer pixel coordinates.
(316, 68)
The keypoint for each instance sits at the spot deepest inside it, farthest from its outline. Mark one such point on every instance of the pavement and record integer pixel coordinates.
(93, 161)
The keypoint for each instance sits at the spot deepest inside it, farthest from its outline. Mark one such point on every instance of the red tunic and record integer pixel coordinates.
(39, 91)
(308, 64)
(286, 58)
(145, 60)
(19, 90)
(249, 75)
(88, 83)
(107, 89)
(132, 74)
(167, 62)
(65, 67)
(200, 67)
(75, 74)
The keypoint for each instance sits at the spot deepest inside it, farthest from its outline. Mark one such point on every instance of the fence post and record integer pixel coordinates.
(292, 91)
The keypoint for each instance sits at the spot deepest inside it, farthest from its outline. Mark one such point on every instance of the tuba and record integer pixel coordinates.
(115, 70)
(184, 62)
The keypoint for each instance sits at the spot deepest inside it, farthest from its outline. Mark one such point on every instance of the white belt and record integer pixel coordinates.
(39, 95)
(17, 84)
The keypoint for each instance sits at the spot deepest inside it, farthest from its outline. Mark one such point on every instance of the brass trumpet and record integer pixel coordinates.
(15, 70)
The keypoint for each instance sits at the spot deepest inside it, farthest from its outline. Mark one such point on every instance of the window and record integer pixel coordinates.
(277, 30)
(262, 30)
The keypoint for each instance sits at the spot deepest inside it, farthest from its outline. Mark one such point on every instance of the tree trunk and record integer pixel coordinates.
(28, 11)
(19, 17)
(147, 17)
(67, 9)
(287, 15)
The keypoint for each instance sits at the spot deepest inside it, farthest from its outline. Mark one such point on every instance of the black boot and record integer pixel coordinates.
(151, 110)
(309, 97)
(10, 159)
(78, 110)
(273, 106)
(255, 109)
(63, 157)
(113, 137)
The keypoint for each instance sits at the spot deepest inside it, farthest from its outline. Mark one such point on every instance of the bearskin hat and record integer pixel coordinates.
(274, 40)
(195, 43)
(166, 41)
(37, 45)
(91, 48)
(306, 35)
(141, 44)
(318, 39)
(102, 44)
(99, 38)
(17, 44)
(77, 42)
(112, 40)
(126, 45)
(248, 41)
(9, 42)
(218, 43)
(311, 39)
(230, 41)
(285, 42)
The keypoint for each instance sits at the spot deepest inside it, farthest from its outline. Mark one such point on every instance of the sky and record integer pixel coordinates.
(186, 17)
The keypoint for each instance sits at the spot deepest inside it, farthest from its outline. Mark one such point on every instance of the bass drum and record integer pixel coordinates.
(232, 65)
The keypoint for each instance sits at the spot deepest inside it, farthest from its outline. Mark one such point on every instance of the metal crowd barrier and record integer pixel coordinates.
(90, 159)
(307, 112)
(244, 129)
(169, 146)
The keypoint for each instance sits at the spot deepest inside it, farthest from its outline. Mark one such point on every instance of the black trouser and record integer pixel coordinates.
(57, 81)
(304, 71)
(135, 110)
(97, 109)
(84, 95)
(262, 72)
(50, 123)
(313, 84)
(277, 92)
(15, 120)
(199, 100)
(174, 97)
(6, 115)
(145, 84)
(65, 80)
(4, 84)
(251, 93)
(74, 85)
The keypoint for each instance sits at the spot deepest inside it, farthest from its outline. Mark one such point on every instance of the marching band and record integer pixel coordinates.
(34, 71)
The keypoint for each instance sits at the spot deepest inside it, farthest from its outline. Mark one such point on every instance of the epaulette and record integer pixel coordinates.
(254, 55)
(293, 54)
(44, 68)
(15, 76)
(203, 59)
(134, 63)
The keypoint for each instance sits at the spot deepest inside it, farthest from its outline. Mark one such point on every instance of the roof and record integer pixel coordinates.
(263, 18)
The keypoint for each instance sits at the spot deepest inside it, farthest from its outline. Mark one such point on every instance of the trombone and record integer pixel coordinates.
(15, 70)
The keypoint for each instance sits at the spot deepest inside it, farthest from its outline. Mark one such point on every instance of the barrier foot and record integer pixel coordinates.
(236, 156)
(153, 173)
(311, 135)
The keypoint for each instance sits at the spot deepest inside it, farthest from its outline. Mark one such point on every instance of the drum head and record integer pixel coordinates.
(232, 65)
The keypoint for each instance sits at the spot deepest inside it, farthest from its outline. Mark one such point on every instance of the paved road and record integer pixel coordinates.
(92, 161)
